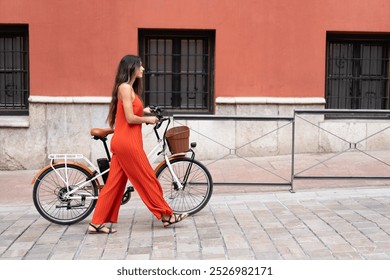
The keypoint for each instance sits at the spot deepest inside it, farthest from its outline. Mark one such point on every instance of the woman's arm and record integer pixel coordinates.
(127, 95)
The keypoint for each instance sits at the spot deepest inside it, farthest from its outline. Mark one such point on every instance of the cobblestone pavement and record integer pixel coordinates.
(338, 223)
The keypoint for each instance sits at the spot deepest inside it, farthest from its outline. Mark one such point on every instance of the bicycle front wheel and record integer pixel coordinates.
(197, 185)
(51, 199)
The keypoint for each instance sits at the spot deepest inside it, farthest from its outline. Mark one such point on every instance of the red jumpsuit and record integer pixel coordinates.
(129, 162)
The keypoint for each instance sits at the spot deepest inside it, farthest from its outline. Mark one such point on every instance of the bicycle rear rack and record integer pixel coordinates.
(65, 156)
(68, 157)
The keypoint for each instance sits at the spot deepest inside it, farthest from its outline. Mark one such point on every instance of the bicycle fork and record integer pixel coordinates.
(178, 185)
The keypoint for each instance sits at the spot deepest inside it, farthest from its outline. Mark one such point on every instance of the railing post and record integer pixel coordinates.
(292, 153)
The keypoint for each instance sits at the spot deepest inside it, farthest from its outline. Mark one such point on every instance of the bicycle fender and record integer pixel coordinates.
(57, 163)
(170, 158)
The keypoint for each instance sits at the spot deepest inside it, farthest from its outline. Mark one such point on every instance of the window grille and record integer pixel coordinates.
(179, 69)
(14, 76)
(357, 72)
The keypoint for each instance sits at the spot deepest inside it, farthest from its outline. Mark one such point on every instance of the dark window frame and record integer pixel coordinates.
(174, 86)
(357, 71)
(14, 69)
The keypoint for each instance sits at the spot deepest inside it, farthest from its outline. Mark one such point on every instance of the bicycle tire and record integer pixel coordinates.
(197, 190)
(48, 193)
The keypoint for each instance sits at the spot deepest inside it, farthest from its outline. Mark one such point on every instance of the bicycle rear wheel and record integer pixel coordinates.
(197, 190)
(50, 189)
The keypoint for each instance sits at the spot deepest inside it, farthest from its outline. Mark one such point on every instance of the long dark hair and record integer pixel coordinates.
(126, 71)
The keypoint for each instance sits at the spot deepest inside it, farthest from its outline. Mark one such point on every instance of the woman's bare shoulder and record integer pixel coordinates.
(124, 86)
(125, 90)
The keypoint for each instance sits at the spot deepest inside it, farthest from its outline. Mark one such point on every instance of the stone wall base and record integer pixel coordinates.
(62, 125)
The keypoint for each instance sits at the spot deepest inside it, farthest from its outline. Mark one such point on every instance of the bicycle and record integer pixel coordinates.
(66, 191)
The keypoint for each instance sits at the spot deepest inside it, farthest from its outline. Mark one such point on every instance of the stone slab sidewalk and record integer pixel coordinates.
(337, 223)
(322, 220)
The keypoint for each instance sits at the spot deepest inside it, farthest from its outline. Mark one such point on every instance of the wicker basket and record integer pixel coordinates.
(178, 139)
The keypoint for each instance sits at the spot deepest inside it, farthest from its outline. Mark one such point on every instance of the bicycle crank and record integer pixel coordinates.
(127, 195)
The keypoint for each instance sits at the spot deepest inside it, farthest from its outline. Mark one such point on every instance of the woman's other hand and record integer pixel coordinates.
(151, 120)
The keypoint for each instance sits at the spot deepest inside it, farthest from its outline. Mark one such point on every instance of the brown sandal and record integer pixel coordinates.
(177, 218)
(100, 229)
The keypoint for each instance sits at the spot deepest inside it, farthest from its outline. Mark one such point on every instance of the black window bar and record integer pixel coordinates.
(14, 70)
(358, 73)
(179, 74)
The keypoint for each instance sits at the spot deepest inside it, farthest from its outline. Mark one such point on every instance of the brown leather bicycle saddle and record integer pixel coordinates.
(101, 132)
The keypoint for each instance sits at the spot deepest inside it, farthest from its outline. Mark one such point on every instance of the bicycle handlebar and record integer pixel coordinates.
(158, 112)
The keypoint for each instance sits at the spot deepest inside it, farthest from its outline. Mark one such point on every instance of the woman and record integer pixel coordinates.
(129, 161)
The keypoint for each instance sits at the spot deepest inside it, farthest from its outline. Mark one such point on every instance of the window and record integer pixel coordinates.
(179, 67)
(14, 73)
(357, 71)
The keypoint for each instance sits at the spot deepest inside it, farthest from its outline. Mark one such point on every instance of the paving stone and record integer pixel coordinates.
(240, 254)
(138, 257)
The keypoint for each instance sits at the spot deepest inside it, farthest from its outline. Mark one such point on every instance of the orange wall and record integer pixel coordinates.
(263, 47)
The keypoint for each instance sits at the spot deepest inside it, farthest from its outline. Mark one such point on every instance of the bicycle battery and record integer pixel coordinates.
(103, 164)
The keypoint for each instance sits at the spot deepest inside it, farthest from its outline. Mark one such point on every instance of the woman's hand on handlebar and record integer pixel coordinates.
(150, 110)
(158, 119)
(152, 120)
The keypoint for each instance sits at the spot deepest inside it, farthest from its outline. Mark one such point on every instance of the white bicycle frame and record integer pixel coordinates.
(152, 156)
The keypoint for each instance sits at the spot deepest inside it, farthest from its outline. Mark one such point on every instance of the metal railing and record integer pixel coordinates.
(349, 145)
(291, 122)
(233, 151)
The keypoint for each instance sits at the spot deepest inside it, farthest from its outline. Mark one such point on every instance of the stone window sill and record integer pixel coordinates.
(15, 121)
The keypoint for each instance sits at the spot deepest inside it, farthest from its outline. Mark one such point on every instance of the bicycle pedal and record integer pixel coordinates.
(175, 186)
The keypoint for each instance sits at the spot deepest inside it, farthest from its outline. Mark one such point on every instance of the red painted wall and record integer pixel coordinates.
(263, 48)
